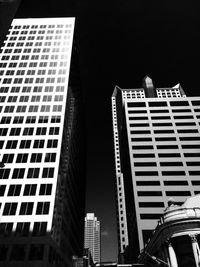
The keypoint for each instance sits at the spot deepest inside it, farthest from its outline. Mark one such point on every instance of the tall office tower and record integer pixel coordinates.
(92, 238)
(41, 146)
(156, 141)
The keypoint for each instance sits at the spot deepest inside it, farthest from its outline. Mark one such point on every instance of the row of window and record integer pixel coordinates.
(165, 139)
(29, 189)
(28, 89)
(163, 103)
(147, 147)
(35, 56)
(29, 50)
(166, 163)
(167, 183)
(19, 173)
(32, 108)
(42, 26)
(29, 119)
(23, 157)
(166, 155)
(143, 111)
(23, 229)
(172, 131)
(30, 131)
(183, 117)
(168, 193)
(12, 144)
(33, 64)
(34, 98)
(26, 208)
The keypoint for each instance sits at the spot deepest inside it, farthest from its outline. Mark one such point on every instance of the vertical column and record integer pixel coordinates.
(172, 255)
(195, 248)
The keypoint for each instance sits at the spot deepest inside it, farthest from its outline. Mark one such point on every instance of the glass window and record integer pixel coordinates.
(42, 208)
(36, 157)
(14, 190)
(11, 144)
(26, 208)
(33, 173)
(18, 173)
(25, 144)
(10, 208)
(30, 189)
(8, 158)
(45, 189)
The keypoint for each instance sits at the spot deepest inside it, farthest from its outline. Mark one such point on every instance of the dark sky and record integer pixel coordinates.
(119, 42)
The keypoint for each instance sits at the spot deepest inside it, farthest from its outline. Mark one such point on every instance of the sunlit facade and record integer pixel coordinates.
(92, 239)
(156, 139)
(39, 188)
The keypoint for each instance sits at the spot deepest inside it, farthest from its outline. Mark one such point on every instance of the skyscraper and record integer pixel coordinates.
(93, 236)
(156, 140)
(41, 146)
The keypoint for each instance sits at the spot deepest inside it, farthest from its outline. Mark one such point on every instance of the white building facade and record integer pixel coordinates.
(34, 75)
(92, 239)
(157, 141)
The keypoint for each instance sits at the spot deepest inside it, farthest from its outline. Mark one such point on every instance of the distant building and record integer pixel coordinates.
(156, 140)
(176, 239)
(92, 239)
(42, 186)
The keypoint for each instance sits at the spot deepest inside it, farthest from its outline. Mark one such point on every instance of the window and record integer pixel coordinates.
(38, 144)
(147, 183)
(39, 228)
(141, 132)
(190, 138)
(50, 157)
(165, 139)
(142, 147)
(4, 173)
(10, 208)
(179, 103)
(171, 163)
(30, 189)
(173, 183)
(160, 118)
(24, 98)
(28, 131)
(25, 144)
(178, 193)
(169, 155)
(12, 99)
(47, 98)
(167, 147)
(2, 190)
(48, 173)
(42, 208)
(31, 119)
(147, 173)
(35, 98)
(45, 189)
(6, 228)
(163, 131)
(33, 108)
(183, 117)
(14, 190)
(11, 144)
(21, 109)
(26, 208)
(8, 158)
(3, 131)
(57, 108)
(144, 155)
(193, 163)
(150, 216)
(36, 157)
(151, 205)
(41, 131)
(22, 158)
(33, 173)
(173, 173)
(144, 164)
(9, 109)
(55, 119)
(191, 155)
(18, 120)
(22, 229)
(136, 104)
(15, 131)
(43, 119)
(149, 193)
(52, 143)
(18, 173)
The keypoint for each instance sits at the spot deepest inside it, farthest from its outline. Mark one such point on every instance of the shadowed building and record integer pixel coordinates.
(156, 139)
(42, 144)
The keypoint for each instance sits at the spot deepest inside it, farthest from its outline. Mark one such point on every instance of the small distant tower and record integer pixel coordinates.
(92, 238)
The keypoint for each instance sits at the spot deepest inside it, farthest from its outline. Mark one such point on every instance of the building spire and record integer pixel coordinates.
(148, 86)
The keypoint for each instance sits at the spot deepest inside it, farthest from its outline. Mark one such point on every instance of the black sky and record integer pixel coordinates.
(119, 42)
